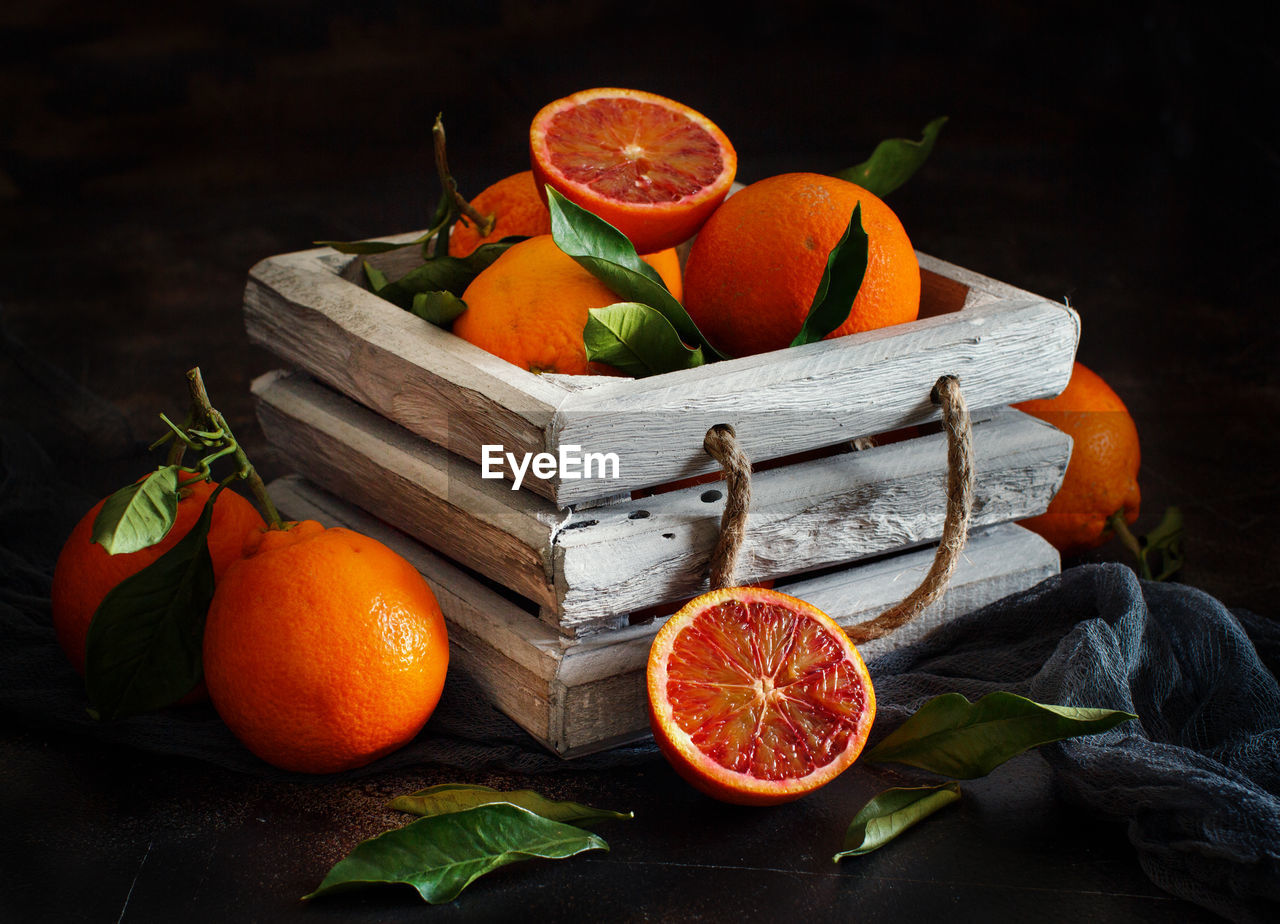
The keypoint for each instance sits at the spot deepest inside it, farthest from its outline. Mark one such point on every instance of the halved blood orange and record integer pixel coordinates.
(757, 697)
(653, 168)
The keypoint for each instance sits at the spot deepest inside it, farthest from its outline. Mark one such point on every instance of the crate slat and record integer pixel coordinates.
(576, 696)
(426, 379)
(1006, 345)
(847, 388)
(588, 570)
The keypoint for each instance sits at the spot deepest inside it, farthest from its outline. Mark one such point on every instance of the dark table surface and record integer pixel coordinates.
(1104, 154)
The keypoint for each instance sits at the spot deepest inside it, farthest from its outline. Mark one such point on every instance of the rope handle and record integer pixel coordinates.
(722, 445)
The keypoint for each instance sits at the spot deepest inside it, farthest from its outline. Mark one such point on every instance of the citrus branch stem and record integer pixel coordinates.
(1129, 540)
(177, 448)
(200, 399)
(483, 223)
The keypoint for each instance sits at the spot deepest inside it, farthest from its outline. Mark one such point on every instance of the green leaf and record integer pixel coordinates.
(443, 274)
(457, 797)
(893, 161)
(440, 308)
(606, 253)
(144, 642)
(440, 855)
(841, 280)
(442, 221)
(892, 812)
(138, 515)
(1164, 542)
(584, 235)
(956, 738)
(377, 278)
(636, 339)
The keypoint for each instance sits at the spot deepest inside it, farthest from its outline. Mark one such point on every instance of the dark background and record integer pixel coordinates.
(1119, 155)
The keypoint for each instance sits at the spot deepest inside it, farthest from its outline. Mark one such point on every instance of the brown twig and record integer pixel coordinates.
(484, 223)
(200, 399)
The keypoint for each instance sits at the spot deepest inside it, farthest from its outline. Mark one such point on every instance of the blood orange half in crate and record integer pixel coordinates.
(756, 697)
(653, 168)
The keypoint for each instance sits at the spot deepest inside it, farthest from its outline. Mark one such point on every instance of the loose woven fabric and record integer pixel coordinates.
(1197, 778)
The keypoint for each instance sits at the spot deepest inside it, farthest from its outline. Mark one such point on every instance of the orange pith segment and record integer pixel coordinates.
(757, 697)
(650, 166)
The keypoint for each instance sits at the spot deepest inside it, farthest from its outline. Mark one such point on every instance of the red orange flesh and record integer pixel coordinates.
(652, 167)
(757, 697)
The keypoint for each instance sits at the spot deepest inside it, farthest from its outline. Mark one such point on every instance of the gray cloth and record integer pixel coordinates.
(1197, 779)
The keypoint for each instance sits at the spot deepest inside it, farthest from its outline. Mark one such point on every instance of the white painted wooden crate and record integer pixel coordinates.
(552, 591)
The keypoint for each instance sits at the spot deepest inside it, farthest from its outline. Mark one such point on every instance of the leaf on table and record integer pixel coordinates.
(953, 737)
(893, 161)
(143, 649)
(440, 855)
(140, 514)
(606, 253)
(841, 280)
(637, 340)
(892, 812)
(457, 797)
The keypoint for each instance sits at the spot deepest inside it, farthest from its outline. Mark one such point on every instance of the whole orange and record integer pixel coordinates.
(755, 265)
(324, 649)
(1102, 476)
(530, 306)
(517, 209)
(85, 571)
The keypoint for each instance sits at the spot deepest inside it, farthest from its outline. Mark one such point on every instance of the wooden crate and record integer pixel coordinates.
(552, 590)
